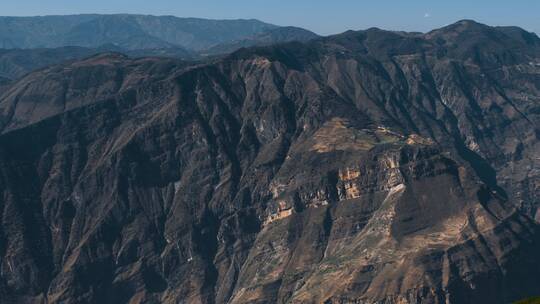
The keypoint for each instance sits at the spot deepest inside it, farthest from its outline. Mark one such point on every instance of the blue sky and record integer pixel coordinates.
(323, 17)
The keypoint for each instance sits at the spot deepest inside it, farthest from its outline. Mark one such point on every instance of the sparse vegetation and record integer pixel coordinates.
(533, 300)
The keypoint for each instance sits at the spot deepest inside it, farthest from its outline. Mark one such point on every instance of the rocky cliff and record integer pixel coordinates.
(367, 167)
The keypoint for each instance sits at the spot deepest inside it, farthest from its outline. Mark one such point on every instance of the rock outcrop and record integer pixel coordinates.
(367, 167)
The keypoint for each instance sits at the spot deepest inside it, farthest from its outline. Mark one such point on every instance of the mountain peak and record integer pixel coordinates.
(468, 35)
(469, 23)
(460, 26)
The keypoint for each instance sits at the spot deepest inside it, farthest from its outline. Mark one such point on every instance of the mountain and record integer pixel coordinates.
(15, 63)
(273, 36)
(30, 43)
(131, 32)
(4, 80)
(366, 167)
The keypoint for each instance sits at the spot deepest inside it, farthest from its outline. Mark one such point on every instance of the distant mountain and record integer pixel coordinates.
(126, 31)
(277, 35)
(29, 43)
(15, 63)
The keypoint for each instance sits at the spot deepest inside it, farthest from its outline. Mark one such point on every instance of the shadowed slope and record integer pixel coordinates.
(368, 167)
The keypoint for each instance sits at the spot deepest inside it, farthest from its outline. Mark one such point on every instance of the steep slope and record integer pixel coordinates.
(72, 85)
(15, 63)
(127, 31)
(368, 167)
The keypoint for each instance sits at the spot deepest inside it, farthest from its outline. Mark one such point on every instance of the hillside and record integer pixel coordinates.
(366, 167)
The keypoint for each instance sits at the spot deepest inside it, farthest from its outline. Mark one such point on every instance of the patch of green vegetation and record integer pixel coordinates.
(387, 138)
(395, 142)
(533, 300)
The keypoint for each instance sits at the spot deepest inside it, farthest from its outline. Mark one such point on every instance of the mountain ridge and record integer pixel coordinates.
(367, 167)
(165, 31)
(34, 42)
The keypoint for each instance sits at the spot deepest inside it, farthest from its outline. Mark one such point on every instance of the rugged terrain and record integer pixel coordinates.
(134, 32)
(125, 30)
(367, 167)
(31, 43)
(16, 63)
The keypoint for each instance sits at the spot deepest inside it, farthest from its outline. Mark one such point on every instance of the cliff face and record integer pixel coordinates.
(368, 167)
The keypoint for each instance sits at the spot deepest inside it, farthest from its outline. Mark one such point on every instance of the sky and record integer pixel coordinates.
(321, 16)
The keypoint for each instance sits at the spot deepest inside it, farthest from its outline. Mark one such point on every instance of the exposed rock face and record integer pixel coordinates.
(368, 167)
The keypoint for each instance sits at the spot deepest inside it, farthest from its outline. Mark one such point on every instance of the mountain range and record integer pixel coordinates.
(367, 167)
(132, 32)
(29, 43)
(126, 31)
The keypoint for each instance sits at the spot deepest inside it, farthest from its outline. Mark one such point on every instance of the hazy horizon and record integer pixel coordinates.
(318, 16)
(265, 21)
